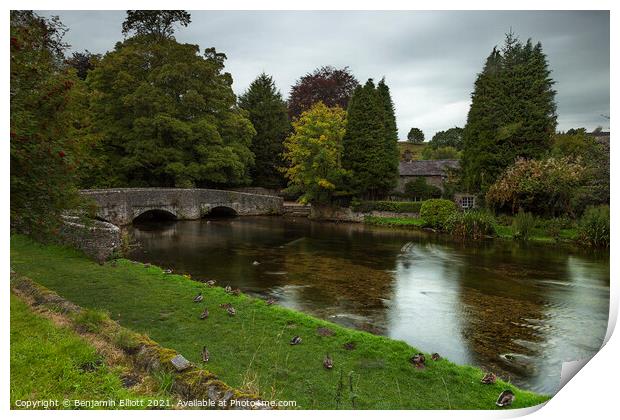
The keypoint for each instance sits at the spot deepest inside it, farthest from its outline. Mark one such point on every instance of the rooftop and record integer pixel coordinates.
(427, 167)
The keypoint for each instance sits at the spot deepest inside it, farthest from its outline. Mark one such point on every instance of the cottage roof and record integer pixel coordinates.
(427, 167)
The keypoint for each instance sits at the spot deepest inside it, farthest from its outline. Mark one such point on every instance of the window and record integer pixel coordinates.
(467, 201)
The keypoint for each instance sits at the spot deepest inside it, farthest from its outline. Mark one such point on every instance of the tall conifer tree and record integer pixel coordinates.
(512, 113)
(269, 116)
(365, 143)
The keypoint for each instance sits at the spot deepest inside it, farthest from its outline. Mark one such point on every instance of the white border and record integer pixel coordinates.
(591, 394)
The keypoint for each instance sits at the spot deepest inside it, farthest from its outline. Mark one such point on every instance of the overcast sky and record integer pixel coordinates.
(429, 59)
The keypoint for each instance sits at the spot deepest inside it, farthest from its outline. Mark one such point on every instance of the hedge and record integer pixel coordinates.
(392, 206)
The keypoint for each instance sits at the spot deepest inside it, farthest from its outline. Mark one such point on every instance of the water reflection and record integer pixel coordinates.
(517, 310)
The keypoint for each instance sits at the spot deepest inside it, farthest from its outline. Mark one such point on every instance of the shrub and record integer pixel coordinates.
(474, 224)
(593, 228)
(435, 212)
(523, 225)
(393, 206)
(421, 189)
(127, 340)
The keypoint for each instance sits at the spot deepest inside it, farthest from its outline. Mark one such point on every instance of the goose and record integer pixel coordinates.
(198, 297)
(236, 292)
(270, 301)
(418, 360)
(435, 357)
(211, 283)
(505, 398)
(295, 340)
(228, 289)
(168, 271)
(204, 314)
(231, 311)
(205, 354)
(489, 378)
(328, 363)
(255, 263)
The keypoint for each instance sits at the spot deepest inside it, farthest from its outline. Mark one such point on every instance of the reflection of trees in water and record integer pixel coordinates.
(503, 305)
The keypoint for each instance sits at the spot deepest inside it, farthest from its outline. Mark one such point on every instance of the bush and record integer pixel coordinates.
(523, 225)
(474, 224)
(593, 228)
(419, 188)
(435, 212)
(393, 206)
(90, 320)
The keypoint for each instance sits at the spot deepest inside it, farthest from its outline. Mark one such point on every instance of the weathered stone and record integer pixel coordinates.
(121, 206)
(99, 240)
(180, 363)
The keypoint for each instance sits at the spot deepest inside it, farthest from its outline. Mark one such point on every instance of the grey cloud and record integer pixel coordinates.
(429, 58)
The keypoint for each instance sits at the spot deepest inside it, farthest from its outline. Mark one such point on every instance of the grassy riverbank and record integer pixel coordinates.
(503, 232)
(251, 350)
(52, 362)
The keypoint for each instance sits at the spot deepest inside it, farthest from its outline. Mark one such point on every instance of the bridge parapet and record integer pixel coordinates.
(121, 206)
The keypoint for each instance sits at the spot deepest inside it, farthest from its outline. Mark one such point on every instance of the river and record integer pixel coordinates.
(518, 310)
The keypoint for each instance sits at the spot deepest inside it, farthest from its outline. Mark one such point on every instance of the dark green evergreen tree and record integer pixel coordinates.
(269, 116)
(391, 157)
(365, 151)
(512, 113)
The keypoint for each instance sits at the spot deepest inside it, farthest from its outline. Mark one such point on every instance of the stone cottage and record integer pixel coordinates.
(435, 172)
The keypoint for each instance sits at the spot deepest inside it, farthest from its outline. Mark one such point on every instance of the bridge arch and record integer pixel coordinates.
(152, 215)
(222, 211)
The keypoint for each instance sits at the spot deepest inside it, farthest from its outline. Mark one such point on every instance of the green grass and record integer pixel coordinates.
(415, 149)
(394, 221)
(50, 362)
(251, 350)
(503, 232)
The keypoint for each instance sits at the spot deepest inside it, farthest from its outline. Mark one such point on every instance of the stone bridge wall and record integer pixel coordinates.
(121, 206)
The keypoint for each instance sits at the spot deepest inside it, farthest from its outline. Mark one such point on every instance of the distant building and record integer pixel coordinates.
(434, 172)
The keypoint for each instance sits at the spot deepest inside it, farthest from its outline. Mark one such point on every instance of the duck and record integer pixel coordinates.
(418, 360)
(168, 271)
(210, 283)
(255, 263)
(270, 301)
(435, 357)
(228, 289)
(505, 398)
(295, 340)
(225, 305)
(236, 292)
(231, 311)
(489, 378)
(205, 354)
(204, 314)
(198, 298)
(328, 363)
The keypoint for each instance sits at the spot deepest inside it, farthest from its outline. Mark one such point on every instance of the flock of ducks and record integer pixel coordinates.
(418, 360)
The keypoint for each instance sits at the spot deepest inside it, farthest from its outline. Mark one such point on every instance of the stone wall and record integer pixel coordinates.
(99, 240)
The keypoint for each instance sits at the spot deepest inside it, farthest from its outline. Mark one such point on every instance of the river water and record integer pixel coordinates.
(518, 310)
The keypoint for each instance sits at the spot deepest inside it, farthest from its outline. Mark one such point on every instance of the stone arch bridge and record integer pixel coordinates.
(121, 206)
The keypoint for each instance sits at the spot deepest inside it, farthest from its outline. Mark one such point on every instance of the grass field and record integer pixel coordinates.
(51, 362)
(251, 350)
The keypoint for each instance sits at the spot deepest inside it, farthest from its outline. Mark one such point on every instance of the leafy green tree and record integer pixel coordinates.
(415, 135)
(452, 137)
(168, 117)
(158, 24)
(48, 128)
(83, 62)
(420, 189)
(314, 154)
(428, 153)
(513, 112)
(368, 142)
(268, 114)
